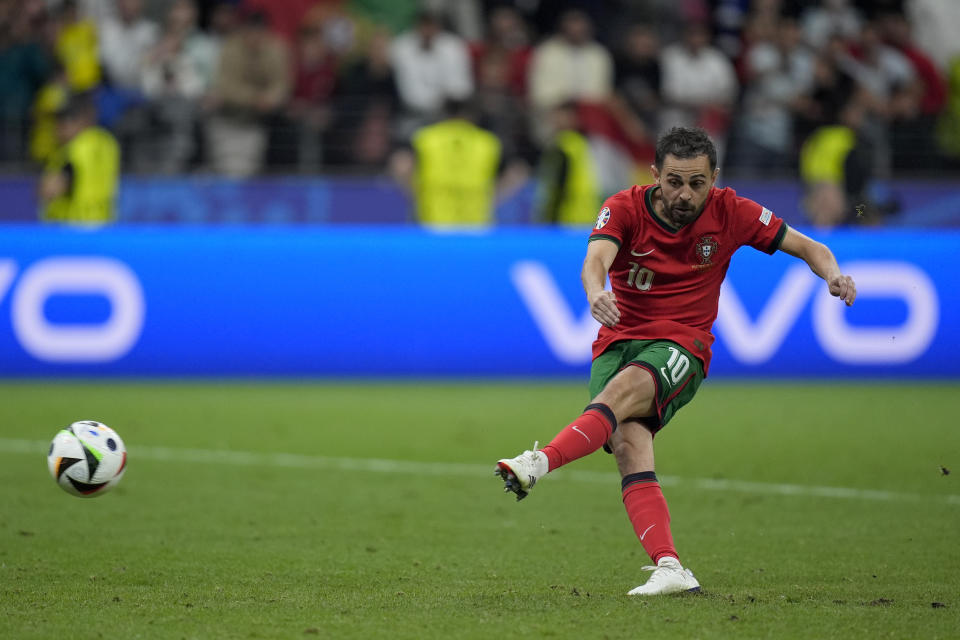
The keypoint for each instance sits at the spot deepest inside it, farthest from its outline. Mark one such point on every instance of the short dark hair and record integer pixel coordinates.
(685, 143)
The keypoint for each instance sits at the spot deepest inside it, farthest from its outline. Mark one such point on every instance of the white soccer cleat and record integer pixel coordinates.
(668, 577)
(521, 473)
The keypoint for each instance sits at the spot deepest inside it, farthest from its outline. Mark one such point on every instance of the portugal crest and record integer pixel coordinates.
(706, 249)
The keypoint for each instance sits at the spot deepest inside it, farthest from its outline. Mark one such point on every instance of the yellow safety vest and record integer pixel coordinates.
(43, 137)
(948, 125)
(824, 152)
(581, 194)
(95, 158)
(456, 172)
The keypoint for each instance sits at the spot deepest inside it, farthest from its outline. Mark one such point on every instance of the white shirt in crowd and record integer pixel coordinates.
(560, 71)
(697, 79)
(123, 47)
(427, 77)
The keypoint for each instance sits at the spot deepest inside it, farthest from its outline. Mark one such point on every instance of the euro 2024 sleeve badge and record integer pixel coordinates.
(603, 218)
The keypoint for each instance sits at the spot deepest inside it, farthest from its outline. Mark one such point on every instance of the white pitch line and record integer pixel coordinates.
(375, 465)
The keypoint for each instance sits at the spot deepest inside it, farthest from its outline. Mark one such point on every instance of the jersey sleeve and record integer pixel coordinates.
(758, 226)
(614, 221)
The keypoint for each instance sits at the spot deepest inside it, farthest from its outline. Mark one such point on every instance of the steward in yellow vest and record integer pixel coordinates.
(837, 167)
(79, 182)
(454, 181)
(824, 154)
(568, 190)
(948, 126)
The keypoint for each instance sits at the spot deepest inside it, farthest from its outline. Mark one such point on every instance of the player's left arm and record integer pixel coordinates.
(821, 261)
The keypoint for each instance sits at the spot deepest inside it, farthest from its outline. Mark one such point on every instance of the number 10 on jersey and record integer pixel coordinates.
(642, 279)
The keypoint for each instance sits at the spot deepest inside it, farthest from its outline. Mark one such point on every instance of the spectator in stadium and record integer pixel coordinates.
(500, 109)
(777, 73)
(251, 85)
(431, 67)
(837, 168)
(569, 65)
(177, 73)
(224, 20)
(25, 65)
(308, 115)
(568, 188)
(124, 42)
(830, 91)
(77, 48)
(79, 182)
(829, 19)
(48, 101)
(889, 87)
(453, 170)
(285, 18)
(665, 249)
(290, 18)
(912, 136)
(882, 71)
(99, 11)
(125, 37)
(699, 84)
(464, 17)
(934, 25)
(365, 103)
(508, 42)
(638, 74)
(948, 125)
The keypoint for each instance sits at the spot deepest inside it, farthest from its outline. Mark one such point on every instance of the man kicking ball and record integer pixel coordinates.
(666, 248)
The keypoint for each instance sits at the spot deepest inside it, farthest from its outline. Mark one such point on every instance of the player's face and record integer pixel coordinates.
(685, 184)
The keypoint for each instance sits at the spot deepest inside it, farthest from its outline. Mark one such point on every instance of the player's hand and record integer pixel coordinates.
(843, 288)
(603, 307)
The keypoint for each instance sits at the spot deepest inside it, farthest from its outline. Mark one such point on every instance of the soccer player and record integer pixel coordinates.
(666, 248)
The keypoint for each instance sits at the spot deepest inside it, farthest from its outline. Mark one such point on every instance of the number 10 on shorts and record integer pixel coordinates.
(677, 366)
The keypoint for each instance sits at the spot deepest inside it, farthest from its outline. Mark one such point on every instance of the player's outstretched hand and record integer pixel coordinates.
(843, 288)
(603, 306)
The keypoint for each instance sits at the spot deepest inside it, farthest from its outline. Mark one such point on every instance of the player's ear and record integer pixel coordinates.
(655, 173)
(716, 172)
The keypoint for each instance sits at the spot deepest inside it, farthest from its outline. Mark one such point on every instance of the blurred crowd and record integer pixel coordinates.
(845, 92)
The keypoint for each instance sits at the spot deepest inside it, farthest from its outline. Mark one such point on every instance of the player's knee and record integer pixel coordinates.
(620, 448)
(633, 454)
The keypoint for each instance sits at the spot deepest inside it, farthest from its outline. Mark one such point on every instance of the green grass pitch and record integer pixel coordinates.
(276, 510)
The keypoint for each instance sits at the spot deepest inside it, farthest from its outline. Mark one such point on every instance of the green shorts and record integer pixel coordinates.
(676, 372)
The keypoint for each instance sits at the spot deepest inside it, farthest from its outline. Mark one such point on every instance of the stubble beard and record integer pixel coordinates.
(681, 217)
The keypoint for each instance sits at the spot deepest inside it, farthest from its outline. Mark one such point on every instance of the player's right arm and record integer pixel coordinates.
(603, 304)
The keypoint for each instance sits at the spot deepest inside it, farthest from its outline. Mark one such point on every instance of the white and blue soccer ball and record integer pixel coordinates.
(87, 459)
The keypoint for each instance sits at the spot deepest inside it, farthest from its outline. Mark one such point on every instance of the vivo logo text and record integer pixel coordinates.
(74, 343)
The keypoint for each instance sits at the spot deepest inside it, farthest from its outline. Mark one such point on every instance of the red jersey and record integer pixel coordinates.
(667, 281)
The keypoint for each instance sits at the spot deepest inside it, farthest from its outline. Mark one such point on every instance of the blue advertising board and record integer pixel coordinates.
(400, 301)
(366, 200)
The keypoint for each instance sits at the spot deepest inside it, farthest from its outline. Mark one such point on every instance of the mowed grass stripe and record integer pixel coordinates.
(375, 465)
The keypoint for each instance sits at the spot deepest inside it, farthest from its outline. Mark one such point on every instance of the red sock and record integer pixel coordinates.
(648, 513)
(583, 436)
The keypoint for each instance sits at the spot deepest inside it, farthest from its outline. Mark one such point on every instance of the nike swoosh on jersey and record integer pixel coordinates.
(640, 255)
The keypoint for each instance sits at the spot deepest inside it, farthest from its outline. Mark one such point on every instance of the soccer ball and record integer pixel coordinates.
(87, 459)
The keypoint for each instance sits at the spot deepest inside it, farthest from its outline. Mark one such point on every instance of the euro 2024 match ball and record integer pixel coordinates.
(87, 459)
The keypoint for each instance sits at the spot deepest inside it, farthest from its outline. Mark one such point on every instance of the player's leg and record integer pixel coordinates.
(625, 392)
(632, 446)
(629, 393)
(647, 510)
